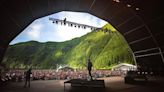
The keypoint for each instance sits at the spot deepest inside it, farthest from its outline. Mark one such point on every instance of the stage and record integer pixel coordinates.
(87, 85)
(112, 84)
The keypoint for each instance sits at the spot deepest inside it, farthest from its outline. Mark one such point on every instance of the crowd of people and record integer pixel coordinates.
(28, 75)
(19, 75)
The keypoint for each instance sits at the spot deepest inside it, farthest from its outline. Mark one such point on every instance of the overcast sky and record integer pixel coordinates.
(43, 30)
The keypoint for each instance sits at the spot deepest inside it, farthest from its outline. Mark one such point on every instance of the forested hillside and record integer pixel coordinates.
(105, 47)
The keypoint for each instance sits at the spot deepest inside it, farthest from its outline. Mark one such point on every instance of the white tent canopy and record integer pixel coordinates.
(124, 67)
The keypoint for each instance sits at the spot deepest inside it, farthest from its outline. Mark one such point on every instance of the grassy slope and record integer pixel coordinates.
(104, 48)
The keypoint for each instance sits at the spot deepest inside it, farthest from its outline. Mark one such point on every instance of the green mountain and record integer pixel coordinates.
(106, 47)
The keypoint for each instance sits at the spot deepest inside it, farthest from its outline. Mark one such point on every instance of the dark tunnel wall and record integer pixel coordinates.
(143, 28)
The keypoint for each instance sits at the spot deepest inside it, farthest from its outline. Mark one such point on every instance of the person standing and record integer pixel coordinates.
(27, 77)
(89, 67)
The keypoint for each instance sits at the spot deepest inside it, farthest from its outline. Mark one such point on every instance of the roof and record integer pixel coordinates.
(141, 24)
(123, 64)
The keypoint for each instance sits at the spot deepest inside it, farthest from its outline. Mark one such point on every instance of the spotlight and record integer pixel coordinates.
(137, 9)
(53, 22)
(128, 5)
(117, 1)
(56, 22)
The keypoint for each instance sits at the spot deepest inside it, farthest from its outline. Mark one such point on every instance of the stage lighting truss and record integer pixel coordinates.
(72, 24)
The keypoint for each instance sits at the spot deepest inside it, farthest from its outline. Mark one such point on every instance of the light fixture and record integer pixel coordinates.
(128, 5)
(71, 24)
(56, 22)
(137, 8)
(116, 1)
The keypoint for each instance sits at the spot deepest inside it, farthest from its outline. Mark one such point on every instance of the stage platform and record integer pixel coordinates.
(85, 83)
(112, 84)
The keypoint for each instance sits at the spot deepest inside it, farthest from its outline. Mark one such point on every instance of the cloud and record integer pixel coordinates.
(68, 33)
(43, 30)
(34, 31)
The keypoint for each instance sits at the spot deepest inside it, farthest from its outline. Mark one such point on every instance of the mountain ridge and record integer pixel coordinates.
(106, 47)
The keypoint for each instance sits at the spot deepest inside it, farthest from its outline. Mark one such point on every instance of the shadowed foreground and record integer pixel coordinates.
(112, 84)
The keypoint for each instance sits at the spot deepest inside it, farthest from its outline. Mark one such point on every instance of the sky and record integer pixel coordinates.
(43, 30)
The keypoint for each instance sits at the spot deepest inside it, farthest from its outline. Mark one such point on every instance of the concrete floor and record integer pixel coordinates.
(112, 84)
